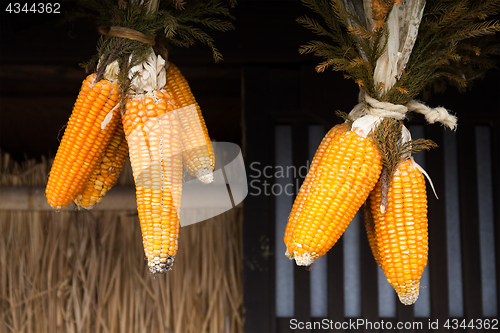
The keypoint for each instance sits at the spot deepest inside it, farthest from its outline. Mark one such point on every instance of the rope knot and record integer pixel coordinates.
(385, 109)
(432, 115)
(371, 106)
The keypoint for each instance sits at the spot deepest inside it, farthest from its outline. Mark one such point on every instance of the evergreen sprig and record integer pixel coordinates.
(389, 141)
(183, 26)
(456, 43)
(175, 22)
(387, 137)
(352, 48)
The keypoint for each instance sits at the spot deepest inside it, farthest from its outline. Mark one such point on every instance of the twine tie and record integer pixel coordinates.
(380, 109)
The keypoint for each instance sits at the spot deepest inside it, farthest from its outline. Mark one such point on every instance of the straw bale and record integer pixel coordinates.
(85, 271)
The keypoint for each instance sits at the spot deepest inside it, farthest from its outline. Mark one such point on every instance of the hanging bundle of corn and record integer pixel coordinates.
(143, 108)
(393, 54)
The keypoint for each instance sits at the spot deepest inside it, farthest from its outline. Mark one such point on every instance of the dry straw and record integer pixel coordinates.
(84, 271)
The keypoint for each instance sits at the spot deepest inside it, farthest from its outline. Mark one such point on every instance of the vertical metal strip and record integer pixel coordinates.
(387, 297)
(318, 282)
(453, 245)
(352, 268)
(368, 272)
(335, 262)
(469, 220)
(486, 226)
(283, 206)
(437, 225)
(302, 282)
(495, 164)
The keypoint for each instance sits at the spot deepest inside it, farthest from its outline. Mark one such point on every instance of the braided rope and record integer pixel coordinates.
(432, 115)
(385, 109)
(388, 110)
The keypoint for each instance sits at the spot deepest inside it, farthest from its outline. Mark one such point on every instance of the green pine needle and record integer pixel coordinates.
(456, 43)
(181, 23)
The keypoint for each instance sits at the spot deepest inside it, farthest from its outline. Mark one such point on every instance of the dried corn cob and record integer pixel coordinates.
(153, 136)
(370, 230)
(344, 177)
(401, 233)
(298, 204)
(106, 172)
(87, 134)
(197, 152)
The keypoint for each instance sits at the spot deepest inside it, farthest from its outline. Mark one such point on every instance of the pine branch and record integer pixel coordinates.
(211, 23)
(388, 139)
(170, 24)
(380, 11)
(327, 11)
(322, 49)
(314, 46)
(313, 25)
(361, 32)
(350, 43)
(481, 10)
(340, 15)
(455, 43)
(200, 35)
(324, 65)
(481, 29)
(489, 49)
(450, 15)
(176, 22)
(179, 22)
(357, 35)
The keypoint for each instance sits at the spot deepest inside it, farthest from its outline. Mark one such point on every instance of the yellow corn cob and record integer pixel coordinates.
(401, 233)
(197, 152)
(153, 136)
(344, 177)
(84, 140)
(370, 231)
(298, 204)
(106, 172)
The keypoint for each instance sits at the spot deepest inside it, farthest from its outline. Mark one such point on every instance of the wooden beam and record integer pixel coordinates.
(32, 198)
